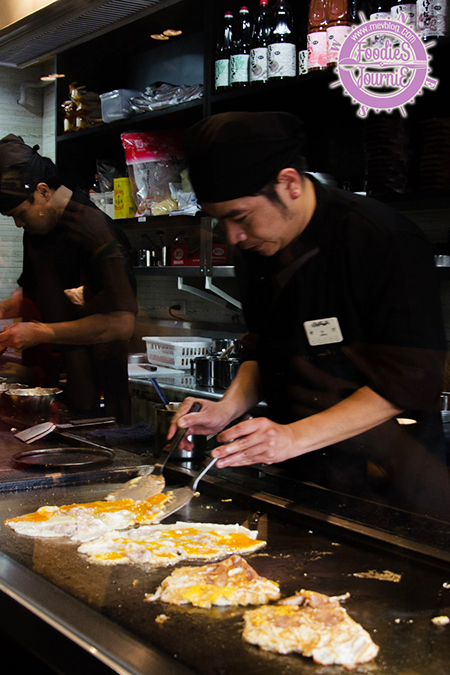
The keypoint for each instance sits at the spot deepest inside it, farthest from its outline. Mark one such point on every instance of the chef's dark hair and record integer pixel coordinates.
(22, 168)
(234, 154)
(269, 189)
(44, 171)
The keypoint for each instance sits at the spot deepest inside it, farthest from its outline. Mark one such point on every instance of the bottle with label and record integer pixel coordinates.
(282, 52)
(240, 50)
(339, 24)
(379, 10)
(262, 27)
(399, 7)
(222, 55)
(431, 18)
(302, 44)
(317, 35)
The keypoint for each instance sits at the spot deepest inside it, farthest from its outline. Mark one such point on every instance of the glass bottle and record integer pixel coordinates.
(399, 7)
(222, 55)
(431, 18)
(339, 22)
(240, 51)
(302, 46)
(317, 35)
(282, 53)
(262, 26)
(379, 10)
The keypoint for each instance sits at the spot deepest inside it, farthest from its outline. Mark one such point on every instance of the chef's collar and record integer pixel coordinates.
(235, 154)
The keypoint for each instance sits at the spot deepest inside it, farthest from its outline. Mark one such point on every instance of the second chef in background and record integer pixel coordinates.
(76, 294)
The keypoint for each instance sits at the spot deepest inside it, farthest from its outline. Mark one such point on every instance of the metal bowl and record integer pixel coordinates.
(33, 400)
(4, 386)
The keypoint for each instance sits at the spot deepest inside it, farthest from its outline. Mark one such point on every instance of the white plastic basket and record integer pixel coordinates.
(176, 352)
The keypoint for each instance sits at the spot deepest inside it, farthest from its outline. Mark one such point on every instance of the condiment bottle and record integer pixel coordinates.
(222, 55)
(431, 18)
(240, 51)
(317, 35)
(380, 10)
(262, 26)
(302, 44)
(339, 23)
(399, 7)
(282, 53)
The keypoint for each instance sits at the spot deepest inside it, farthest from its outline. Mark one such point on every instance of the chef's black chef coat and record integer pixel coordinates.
(87, 249)
(362, 270)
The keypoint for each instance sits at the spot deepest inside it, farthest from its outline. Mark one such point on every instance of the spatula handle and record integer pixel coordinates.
(170, 448)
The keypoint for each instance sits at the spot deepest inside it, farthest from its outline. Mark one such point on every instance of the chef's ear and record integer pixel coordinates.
(291, 181)
(44, 191)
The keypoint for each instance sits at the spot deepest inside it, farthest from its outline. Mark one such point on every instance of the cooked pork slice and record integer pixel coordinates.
(230, 582)
(311, 624)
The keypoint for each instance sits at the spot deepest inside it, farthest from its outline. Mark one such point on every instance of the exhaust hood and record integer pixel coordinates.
(60, 24)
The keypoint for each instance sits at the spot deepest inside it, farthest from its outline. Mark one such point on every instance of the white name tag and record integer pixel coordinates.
(323, 331)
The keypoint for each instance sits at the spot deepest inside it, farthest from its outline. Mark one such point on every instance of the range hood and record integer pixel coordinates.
(31, 38)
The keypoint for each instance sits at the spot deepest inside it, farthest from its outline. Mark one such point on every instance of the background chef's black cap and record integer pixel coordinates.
(20, 169)
(235, 154)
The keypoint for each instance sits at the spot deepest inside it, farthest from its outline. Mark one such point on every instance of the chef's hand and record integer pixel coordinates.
(211, 419)
(255, 441)
(11, 308)
(24, 334)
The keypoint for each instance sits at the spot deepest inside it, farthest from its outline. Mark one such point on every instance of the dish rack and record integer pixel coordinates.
(176, 352)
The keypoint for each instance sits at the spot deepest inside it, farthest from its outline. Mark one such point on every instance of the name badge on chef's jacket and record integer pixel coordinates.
(323, 331)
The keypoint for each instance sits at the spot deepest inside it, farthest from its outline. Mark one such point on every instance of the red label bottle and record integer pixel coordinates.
(317, 35)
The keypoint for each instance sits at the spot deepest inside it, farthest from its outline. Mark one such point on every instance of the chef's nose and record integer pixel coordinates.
(235, 233)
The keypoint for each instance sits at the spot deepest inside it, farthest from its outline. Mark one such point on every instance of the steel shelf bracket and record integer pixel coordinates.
(212, 293)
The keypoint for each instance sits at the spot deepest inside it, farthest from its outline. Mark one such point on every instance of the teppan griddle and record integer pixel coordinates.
(395, 590)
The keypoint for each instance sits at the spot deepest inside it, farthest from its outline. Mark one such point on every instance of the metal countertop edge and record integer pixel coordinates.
(285, 505)
(90, 630)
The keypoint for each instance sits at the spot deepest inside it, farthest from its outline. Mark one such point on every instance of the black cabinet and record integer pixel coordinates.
(336, 141)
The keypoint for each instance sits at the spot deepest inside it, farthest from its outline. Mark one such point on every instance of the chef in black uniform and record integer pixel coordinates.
(343, 311)
(76, 293)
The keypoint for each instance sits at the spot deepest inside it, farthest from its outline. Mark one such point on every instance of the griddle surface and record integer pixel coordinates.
(299, 554)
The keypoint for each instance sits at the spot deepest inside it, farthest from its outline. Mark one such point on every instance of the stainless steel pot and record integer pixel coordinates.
(163, 418)
(220, 345)
(212, 371)
(202, 368)
(224, 372)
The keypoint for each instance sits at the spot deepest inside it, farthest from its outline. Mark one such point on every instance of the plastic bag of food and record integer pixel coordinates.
(155, 160)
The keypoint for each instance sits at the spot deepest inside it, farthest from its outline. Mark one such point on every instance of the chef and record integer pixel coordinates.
(345, 336)
(76, 293)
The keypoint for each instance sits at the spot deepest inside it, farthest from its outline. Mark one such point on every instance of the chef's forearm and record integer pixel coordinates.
(363, 410)
(245, 390)
(89, 330)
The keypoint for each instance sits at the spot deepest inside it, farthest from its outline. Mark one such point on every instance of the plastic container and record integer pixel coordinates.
(104, 201)
(116, 104)
(176, 352)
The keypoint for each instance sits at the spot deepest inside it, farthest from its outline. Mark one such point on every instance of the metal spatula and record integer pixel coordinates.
(143, 487)
(182, 496)
(38, 431)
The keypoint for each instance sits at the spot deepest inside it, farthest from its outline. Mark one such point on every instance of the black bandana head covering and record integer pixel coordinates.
(235, 154)
(19, 168)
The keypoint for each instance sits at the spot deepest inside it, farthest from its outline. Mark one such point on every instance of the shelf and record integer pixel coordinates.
(185, 271)
(133, 122)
